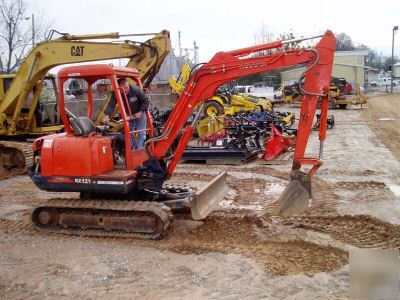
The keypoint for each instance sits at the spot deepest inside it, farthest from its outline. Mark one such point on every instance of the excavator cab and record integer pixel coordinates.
(90, 151)
(46, 111)
(40, 103)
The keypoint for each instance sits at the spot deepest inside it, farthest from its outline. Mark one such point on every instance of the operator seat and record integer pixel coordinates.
(82, 126)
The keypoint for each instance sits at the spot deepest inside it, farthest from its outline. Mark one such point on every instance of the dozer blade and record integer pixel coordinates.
(296, 196)
(205, 200)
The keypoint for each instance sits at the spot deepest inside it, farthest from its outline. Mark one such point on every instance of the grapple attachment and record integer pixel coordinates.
(206, 199)
(296, 196)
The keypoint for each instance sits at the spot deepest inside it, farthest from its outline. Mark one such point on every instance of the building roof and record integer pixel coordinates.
(354, 65)
(351, 53)
(338, 64)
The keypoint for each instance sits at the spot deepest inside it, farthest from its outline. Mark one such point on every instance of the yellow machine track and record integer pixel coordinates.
(15, 158)
(104, 218)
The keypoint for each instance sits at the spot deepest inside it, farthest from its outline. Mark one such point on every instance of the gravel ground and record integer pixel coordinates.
(233, 253)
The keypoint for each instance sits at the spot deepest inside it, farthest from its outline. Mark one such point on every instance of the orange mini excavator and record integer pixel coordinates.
(130, 198)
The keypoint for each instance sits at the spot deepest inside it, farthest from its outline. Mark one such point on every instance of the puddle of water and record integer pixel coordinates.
(274, 189)
(229, 204)
(395, 188)
(387, 119)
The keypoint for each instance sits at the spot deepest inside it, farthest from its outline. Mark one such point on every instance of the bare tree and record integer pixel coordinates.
(285, 36)
(344, 42)
(264, 35)
(16, 33)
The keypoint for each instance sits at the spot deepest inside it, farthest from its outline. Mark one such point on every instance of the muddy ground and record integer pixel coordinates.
(234, 253)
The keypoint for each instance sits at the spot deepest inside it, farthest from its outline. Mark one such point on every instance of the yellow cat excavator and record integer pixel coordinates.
(28, 99)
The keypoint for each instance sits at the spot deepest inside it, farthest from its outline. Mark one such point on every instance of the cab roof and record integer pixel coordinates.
(96, 70)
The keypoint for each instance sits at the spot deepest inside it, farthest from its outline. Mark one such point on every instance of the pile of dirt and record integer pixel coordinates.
(361, 231)
(236, 234)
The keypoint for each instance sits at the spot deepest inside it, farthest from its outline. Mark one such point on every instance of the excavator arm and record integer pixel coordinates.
(145, 57)
(227, 66)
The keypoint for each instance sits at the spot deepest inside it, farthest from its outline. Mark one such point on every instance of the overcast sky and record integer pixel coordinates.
(219, 25)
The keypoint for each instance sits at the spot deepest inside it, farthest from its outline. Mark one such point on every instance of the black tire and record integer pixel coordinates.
(342, 106)
(212, 108)
(331, 104)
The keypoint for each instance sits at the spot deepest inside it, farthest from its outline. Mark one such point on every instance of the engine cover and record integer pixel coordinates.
(63, 155)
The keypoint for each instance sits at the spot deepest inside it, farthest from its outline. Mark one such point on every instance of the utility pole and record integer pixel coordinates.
(196, 53)
(33, 28)
(179, 43)
(395, 28)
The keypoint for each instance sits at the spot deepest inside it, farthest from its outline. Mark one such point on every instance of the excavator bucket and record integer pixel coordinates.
(295, 198)
(206, 199)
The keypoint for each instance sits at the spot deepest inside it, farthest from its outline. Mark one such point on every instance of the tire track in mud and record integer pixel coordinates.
(351, 185)
(13, 226)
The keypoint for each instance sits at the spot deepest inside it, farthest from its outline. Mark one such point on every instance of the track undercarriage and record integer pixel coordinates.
(104, 218)
(15, 158)
(149, 219)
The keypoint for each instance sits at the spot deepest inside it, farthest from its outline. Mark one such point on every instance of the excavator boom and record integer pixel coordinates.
(227, 66)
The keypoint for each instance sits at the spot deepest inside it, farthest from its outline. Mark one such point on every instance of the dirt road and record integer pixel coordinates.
(384, 118)
(234, 253)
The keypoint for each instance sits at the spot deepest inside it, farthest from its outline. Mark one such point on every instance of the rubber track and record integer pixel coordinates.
(162, 211)
(26, 149)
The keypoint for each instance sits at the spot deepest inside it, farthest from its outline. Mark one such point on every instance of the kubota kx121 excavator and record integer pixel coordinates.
(133, 200)
(21, 100)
